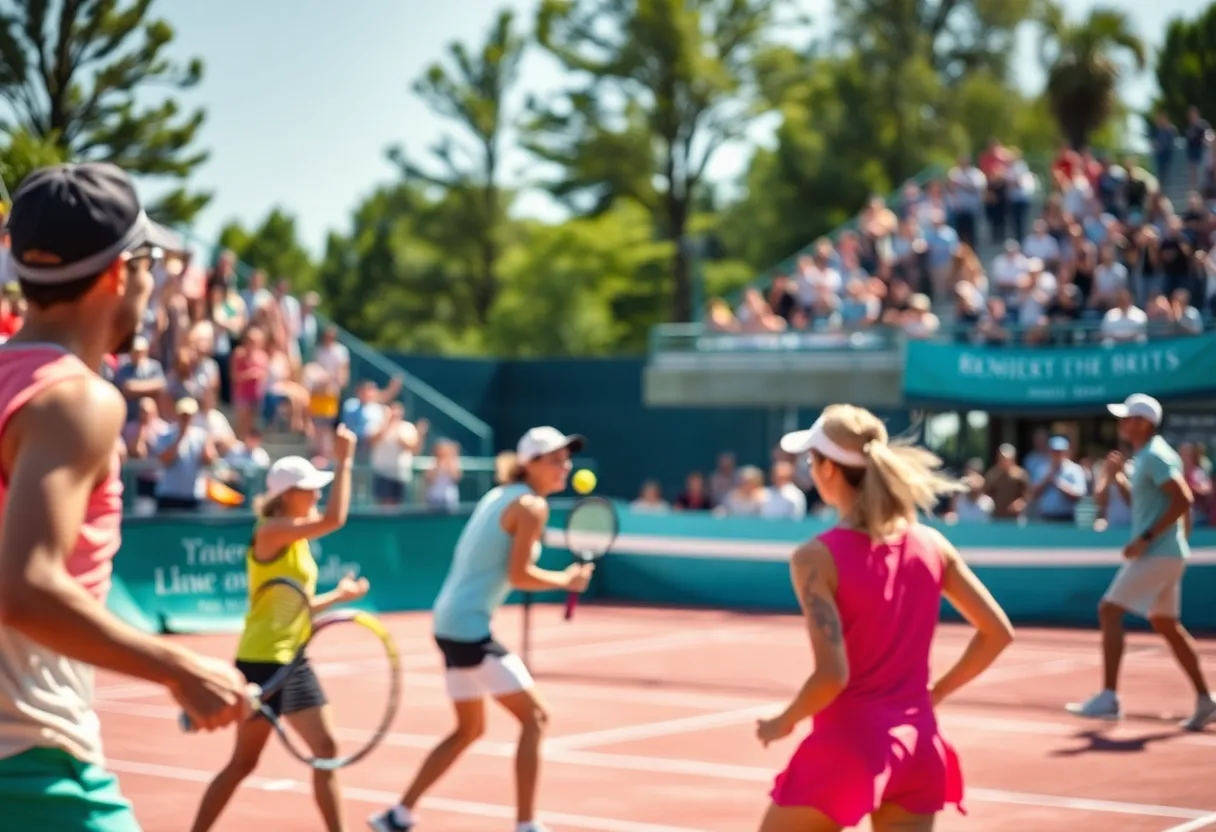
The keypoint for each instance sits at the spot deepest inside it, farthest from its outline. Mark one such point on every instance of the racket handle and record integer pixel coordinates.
(571, 601)
(187, 726)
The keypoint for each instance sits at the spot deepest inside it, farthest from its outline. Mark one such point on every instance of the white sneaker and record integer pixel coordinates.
(531, 827)
(1205, 712)
(1104, 705)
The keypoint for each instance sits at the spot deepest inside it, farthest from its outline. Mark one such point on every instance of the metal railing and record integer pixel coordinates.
(685, 338)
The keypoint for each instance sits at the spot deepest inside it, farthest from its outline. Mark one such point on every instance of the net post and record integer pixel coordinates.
(526, 638)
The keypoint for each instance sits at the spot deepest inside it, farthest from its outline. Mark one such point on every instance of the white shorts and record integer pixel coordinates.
(1149, 586)
(475, 669)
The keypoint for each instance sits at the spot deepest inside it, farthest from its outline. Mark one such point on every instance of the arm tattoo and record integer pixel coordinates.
(819, 610)
(826, 620)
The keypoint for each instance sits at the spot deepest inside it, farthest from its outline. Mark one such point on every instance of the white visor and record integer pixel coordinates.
(814, 439)
(294, 472)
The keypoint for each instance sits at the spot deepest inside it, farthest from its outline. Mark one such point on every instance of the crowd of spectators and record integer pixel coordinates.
(221, 362)
(1106, 246)
(1052, 482)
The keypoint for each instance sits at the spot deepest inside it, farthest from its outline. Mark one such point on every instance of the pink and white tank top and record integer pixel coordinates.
(45, 698)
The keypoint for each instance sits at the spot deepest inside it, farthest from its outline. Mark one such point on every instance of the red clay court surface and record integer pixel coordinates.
(652, 730)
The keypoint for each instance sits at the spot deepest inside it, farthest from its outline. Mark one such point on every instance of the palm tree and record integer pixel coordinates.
(1083, 68)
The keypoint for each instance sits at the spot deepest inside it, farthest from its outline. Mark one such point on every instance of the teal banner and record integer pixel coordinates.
(1058, 377)
(187, 574)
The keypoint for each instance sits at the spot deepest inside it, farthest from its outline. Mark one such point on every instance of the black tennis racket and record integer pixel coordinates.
(287, 609)
(591, 529)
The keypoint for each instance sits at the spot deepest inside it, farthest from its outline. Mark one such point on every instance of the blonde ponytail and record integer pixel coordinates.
(898, 479)
(264, 506)
(507, 469)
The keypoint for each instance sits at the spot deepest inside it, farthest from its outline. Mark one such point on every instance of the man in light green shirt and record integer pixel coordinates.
(1149, 583)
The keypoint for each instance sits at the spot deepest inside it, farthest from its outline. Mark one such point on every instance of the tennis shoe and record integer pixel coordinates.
(1104, 705)
(386, 821)
(1205, 712)
(531, 827)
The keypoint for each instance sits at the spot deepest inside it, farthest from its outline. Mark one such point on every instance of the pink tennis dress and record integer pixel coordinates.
(879, 741)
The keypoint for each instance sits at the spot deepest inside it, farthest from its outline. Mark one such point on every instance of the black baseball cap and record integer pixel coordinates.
(71, 221)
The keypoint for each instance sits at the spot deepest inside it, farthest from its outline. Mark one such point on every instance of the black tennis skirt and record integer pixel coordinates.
(302, 691)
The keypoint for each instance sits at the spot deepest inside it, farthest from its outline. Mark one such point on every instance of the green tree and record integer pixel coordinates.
(955, 38)
(77, 74)
(472, 93)
(391, 283)
(274, 247)
(1084, 70)
(24, 153)
(662, 86)
(585, 287)
(1186, 66)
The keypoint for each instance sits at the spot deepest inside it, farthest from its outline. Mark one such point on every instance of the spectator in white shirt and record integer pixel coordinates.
(332, 357)
(785, 500)
(1009, 269)
(650, 499)
(974, 506)
(211, 419)
(1125, 322)
(392, 455)
(1040, 244)
(1110, 278)
(748, 498)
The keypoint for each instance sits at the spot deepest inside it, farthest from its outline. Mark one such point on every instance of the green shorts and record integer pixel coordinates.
(47, 788)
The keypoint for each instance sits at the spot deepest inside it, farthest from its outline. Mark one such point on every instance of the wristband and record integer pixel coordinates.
(1147, 536)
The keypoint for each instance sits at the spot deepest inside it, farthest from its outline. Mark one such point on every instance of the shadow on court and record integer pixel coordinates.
(1098, 743)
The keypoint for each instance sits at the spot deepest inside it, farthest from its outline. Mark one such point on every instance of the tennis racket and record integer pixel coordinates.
(591, 529)
(364, 648)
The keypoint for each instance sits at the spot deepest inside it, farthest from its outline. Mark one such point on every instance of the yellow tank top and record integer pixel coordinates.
(260, 640)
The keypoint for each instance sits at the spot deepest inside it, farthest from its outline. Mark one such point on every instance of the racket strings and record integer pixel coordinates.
(286, 610)
(591, 528)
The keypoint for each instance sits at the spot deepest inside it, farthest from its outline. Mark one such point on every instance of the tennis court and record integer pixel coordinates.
(652, 731)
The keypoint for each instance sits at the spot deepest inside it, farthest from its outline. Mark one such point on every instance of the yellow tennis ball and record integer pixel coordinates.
(584, 481)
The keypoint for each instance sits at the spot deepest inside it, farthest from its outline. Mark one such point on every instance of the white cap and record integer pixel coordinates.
(1137, 406)
(546, 440)
(295, 472)
(1059, 443)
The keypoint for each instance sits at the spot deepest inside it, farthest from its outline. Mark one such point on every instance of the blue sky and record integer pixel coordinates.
(303, 97)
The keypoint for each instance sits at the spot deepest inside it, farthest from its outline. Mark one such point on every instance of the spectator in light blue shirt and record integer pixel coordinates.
(1060, 486)
(186, 452)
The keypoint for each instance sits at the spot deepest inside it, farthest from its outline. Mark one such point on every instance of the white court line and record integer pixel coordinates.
(717, 771)
(663, 728)
(439, 804)
(1001, 725)
(431, 658)
(383, 798)
(1198, 823)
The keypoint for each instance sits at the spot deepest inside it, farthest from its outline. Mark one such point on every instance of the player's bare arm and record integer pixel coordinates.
(813, 574)
(993, 631)
(525, 522)
(55, 450)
